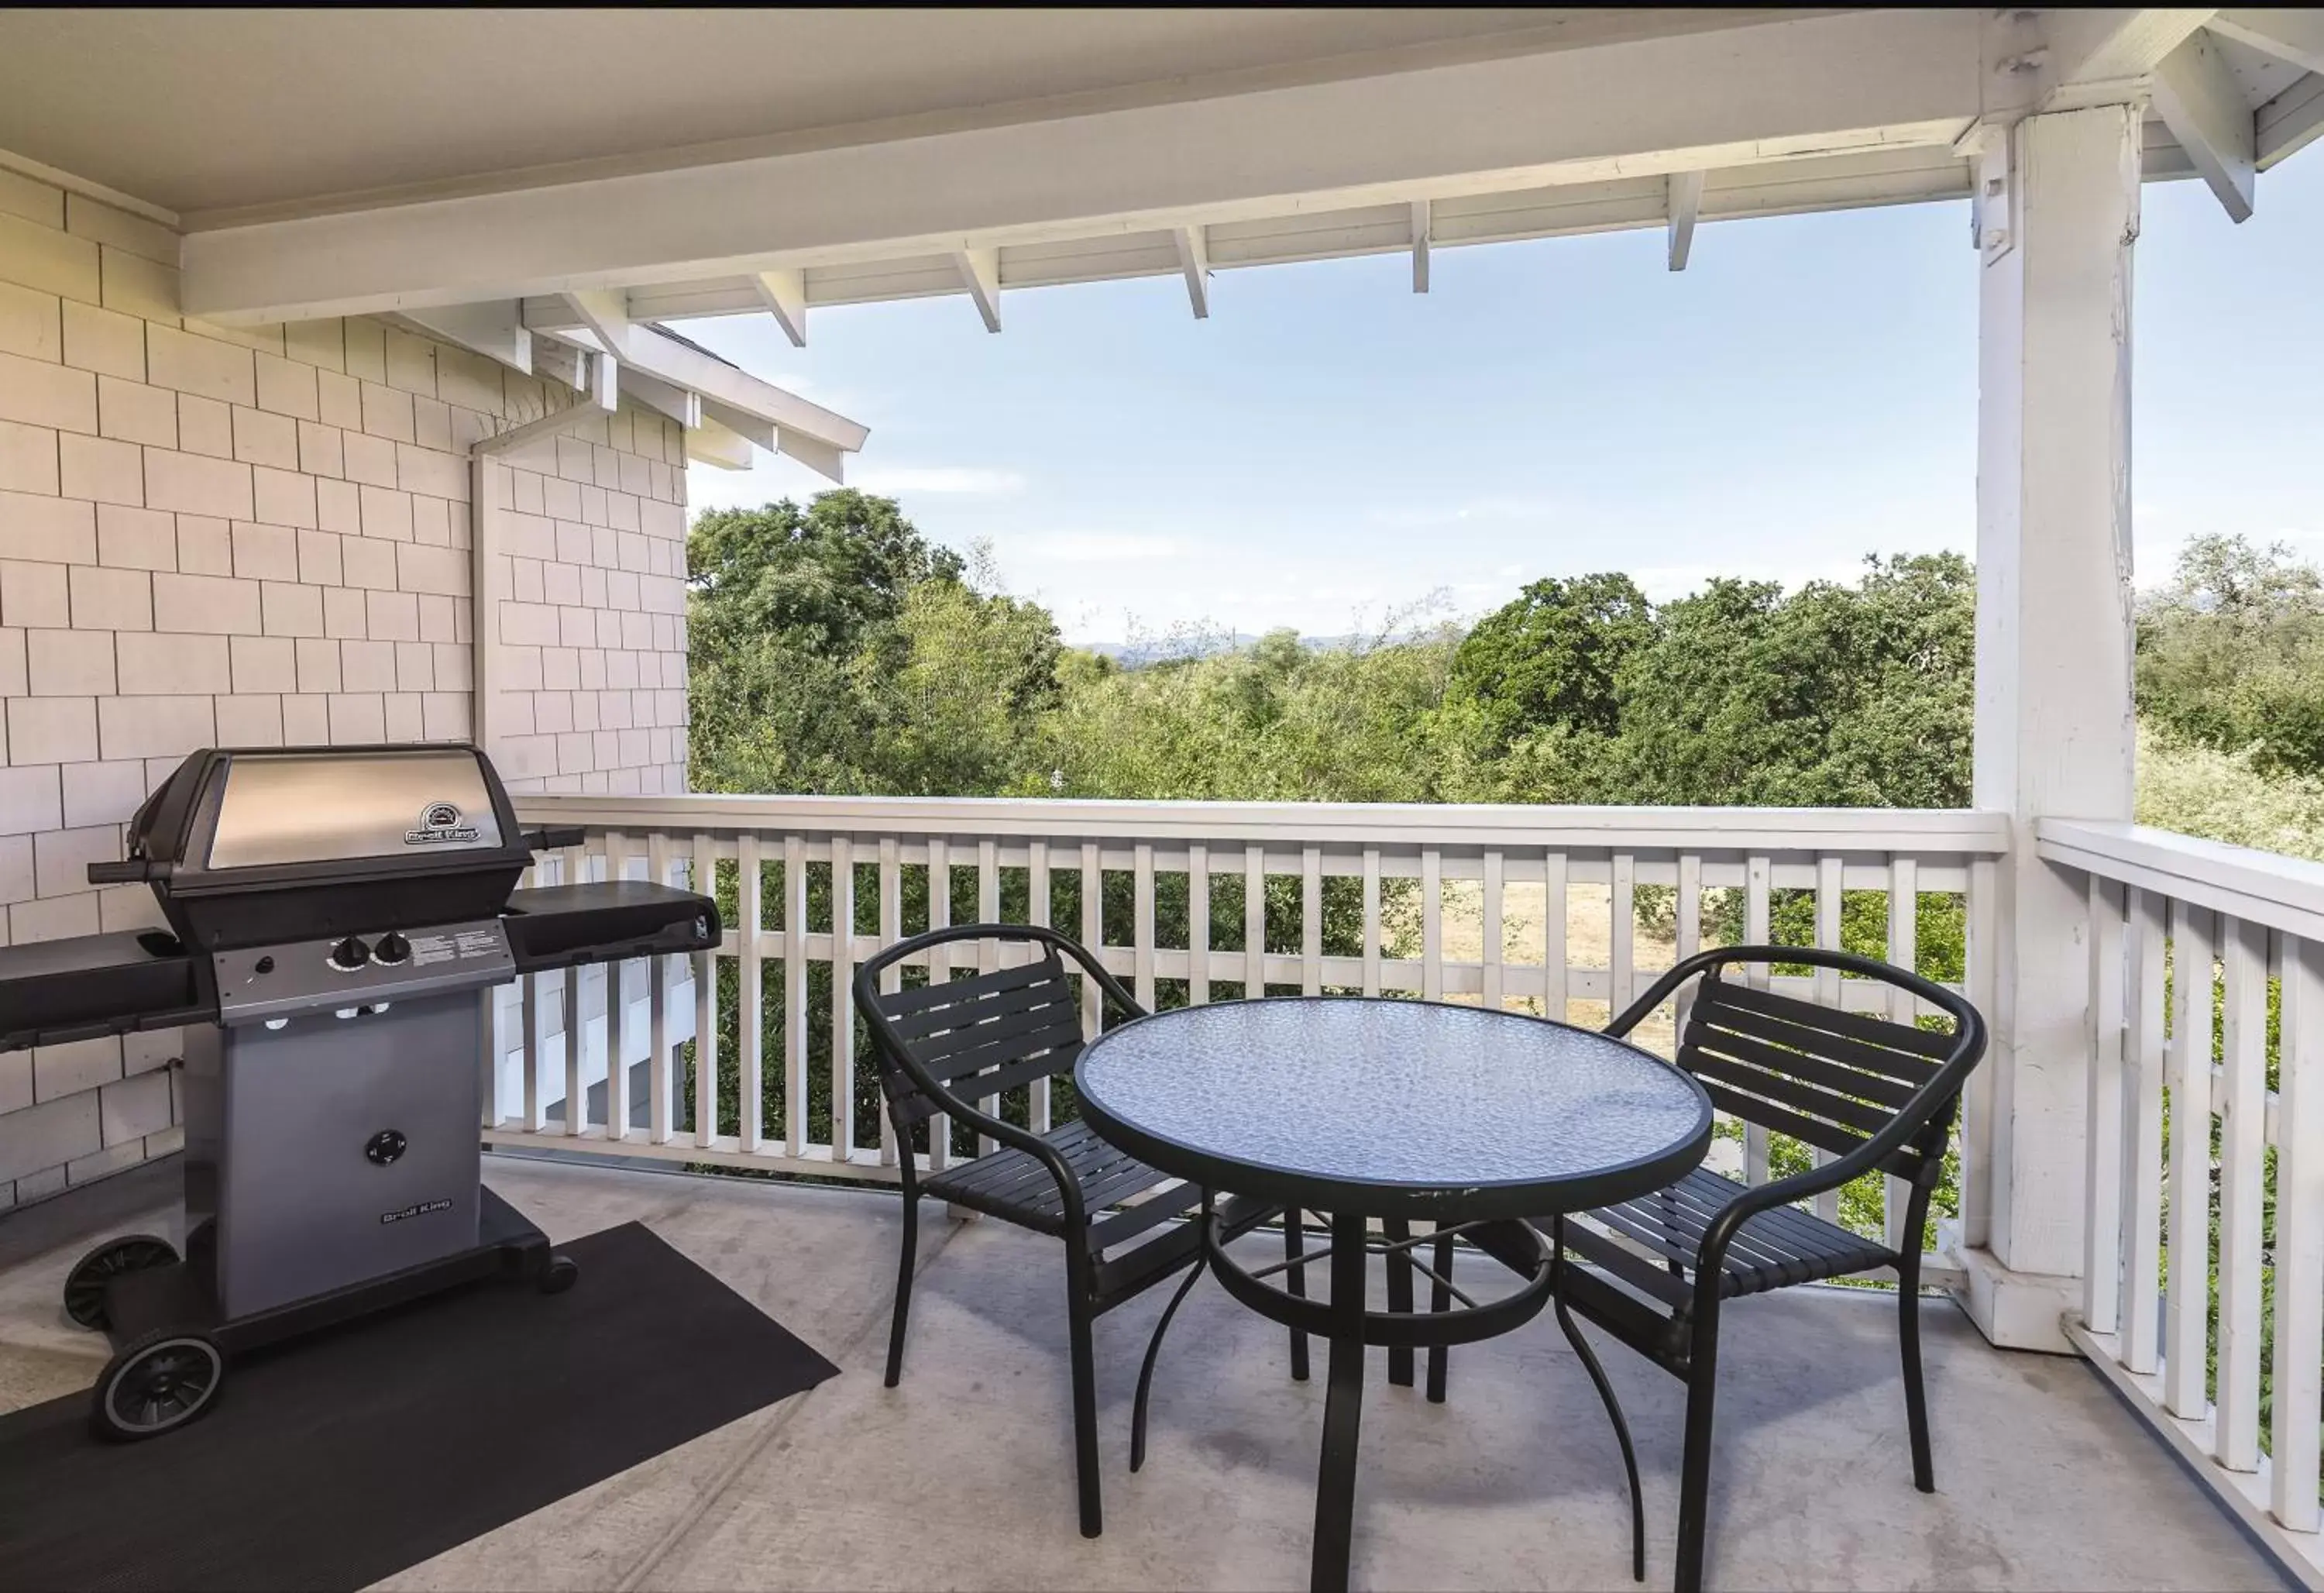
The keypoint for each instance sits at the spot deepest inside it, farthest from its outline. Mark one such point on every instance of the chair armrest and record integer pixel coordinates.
(1866, 1157)
(1069, 1189)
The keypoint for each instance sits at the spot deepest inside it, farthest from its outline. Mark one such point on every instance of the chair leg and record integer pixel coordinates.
(1397, 1230)
(1588, 1359)
(1086, 1414)
(1694, 1472)
(1145, 1372)
(1297, 1281)
(1916, 1398)
(1440, 1299)
(904, 1267)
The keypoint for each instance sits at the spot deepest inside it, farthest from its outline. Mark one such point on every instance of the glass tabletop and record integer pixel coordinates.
(1394, 1107)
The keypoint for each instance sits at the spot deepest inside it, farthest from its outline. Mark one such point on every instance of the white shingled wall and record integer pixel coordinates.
(229, 536)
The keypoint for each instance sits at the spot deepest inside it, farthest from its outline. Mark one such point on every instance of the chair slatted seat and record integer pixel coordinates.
(943, 1046)
(1874, 1095)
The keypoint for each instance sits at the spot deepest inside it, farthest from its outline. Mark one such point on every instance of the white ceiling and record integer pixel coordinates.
(202, 110)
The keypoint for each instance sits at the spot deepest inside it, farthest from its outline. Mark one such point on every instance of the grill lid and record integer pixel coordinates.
(333, 807)
(247, 845)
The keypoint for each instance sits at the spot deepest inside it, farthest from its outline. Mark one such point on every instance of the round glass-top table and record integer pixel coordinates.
(1463, 1118)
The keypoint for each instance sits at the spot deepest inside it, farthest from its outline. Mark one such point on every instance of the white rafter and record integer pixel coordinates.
(660, 366)
(682, 404)
(1195, 262)
(602, 382)
(980, 275)
(2287, 35)
(1685, 203)
(606, 315)
(2104, 54)
(2289, 122)
(784, 292)
(495, 330)
(713, 444)
(2197, 97)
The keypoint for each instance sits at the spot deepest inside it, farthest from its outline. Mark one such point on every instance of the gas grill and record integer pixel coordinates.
(334, 916)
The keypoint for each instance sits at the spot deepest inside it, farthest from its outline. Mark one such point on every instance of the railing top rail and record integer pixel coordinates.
(1331, 824)
(2267, 888)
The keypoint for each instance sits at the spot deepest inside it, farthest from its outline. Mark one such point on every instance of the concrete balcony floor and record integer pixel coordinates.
(963, 1476)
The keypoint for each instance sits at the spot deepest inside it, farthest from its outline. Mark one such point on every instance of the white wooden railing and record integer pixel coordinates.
(1471, 877)
(2192, 1161)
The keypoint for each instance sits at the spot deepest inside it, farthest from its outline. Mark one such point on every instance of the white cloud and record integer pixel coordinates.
(1099, 546)
(969, 479)
(1496, 508)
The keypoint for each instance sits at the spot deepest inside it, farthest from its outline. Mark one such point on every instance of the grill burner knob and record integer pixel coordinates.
(349, 955)
(391, 949)
(383, 1147)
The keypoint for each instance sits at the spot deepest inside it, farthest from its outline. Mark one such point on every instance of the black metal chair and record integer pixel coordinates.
(939, 1044)
(1876, 1095)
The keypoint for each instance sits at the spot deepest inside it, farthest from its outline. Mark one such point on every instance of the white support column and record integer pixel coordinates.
(2053, 671)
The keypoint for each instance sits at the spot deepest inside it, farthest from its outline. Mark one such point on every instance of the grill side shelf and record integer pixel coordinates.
(568, 926)
(90, 985)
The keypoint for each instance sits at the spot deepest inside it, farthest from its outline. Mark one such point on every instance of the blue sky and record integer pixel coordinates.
(1330, 450)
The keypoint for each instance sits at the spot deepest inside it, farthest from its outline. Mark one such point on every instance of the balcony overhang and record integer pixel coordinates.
(1131, 148)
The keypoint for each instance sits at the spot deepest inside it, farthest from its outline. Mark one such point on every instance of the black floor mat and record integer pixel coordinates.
(333, 1461)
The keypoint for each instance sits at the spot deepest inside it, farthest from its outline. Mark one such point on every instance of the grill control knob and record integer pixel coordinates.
(349, 955)
(391, 949)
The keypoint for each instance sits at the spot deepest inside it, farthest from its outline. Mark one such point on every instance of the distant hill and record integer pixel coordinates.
(1156, 648)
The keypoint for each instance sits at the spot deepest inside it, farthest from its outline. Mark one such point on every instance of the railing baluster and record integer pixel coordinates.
(1037, 909)
(617, 1013)
(1092, 936)
(1311, 920)
(1827, 988)
(2142, 1280)
(1372, 920)
(1432, 924)
(1976, 1096)
(891, 979)
(1553, 965)
(576, 1029)
(988, 901)
(705, 1007)
(1254, 923)
(1904, 952)
(1492, 975)
(1622, 929)
(2243, 1152)
(842, 1000)
(659, 1128)
(1141, 932)
(939, 970)
(1198, 924)
(1690, 933)
(2299, 1238)
(2187, 1072)
(794, 1024)
(1756, 873)
(533, 1013)
(2102, 1191)
(749, 1010)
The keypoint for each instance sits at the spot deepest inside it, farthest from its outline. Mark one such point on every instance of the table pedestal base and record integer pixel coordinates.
(1350, 1329)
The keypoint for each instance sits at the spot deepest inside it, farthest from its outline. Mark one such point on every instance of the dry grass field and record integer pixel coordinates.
(1589, 943)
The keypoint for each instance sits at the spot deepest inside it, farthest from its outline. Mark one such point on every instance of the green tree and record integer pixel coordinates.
(1552, 658)
(835, 649)
(2231, 654)
(1834, 696)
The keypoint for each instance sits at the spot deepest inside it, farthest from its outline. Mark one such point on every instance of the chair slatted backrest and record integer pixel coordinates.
(983, 1036)
(1828, 1078)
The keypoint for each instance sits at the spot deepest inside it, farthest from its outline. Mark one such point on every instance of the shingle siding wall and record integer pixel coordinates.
(215, 535)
